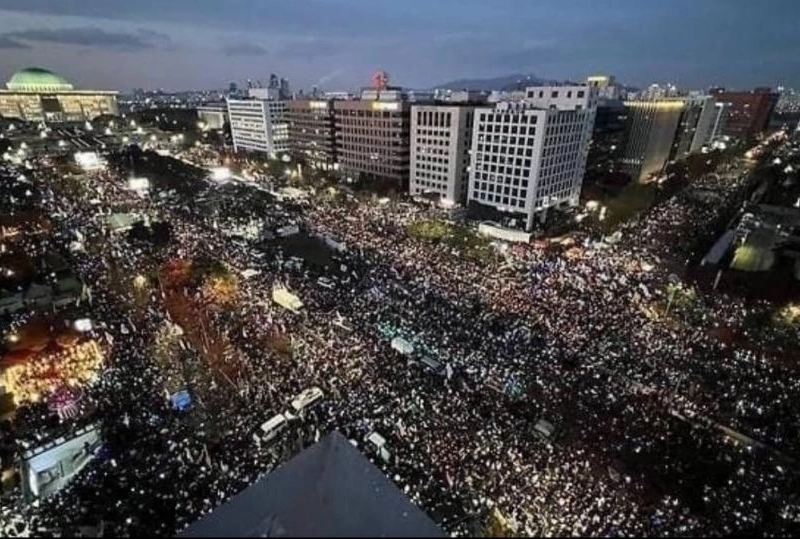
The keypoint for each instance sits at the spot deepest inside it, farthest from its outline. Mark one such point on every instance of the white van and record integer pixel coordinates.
(306, 399)
(271, 428)
(378, 444)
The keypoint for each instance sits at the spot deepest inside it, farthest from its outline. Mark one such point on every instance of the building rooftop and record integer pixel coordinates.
(328, 490)
(36, 79)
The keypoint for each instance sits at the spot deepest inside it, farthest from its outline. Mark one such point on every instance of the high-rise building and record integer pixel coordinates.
(441, 136)
(232, 88)
(651, 130)
(284, 90)
(273, 81)
(312, 131)
(695, 126)
(258, 125)
(608, 137)
(373, 136)
(38, 95)
(746, 113)
(530, 155)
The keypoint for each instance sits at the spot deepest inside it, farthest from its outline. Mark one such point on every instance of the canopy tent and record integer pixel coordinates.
(328, 490)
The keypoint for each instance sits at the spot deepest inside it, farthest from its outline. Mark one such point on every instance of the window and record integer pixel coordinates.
(554, 94)
(581, 93)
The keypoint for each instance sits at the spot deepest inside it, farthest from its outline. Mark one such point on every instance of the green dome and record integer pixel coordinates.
(35, 79)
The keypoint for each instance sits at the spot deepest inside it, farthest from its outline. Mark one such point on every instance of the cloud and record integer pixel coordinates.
(92, 36)
(8, 43)
(243, 49)
(309, 49)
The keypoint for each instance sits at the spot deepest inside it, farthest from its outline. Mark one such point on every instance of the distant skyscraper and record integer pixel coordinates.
(232, 88)
(530, 155)
(285, 93)
(273, 81)
(249, 83)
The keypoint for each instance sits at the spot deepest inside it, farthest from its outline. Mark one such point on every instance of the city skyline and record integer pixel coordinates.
(338, 43)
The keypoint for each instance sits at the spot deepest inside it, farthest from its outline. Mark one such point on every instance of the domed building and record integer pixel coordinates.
(38, 95)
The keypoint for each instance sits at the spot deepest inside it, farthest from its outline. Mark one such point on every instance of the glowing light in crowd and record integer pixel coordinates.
(219, 174)
(139, 184)
(89, 161)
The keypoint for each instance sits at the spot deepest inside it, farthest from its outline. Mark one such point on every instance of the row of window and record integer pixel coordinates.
(506, 129)
(503, 150)
(434, 118)
(506, 117)
(499, 199)
(498, 180)
(554, 94)
(504, 139)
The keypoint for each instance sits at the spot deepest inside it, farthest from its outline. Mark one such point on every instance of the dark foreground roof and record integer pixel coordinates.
(330, 489)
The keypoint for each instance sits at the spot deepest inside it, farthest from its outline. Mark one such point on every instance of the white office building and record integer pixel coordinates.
(440, 141)
(258, 125)
(530, 155)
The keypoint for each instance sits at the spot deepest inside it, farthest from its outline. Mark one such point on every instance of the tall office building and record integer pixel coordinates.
(373, 136)
(746, 113)
(652, 127)
(258, 125)
(608, 137)
(441, 136)
(273, 81)
(530, 155)
(38, 95)
(312, 131)
(694, 126)
(284, 91)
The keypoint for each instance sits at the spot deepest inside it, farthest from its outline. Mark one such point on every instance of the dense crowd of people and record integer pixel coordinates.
(659, 427)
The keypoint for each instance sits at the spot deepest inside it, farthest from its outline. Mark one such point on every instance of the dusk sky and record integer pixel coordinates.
(337, 44)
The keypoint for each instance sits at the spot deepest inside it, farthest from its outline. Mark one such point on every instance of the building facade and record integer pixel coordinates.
(441, 136)
(695, 126)
(530, 155)
(746, 113)
(312, 131)
(258, 126)
(372, 137)
(651, 131)
(608, 137)
(38, 95)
